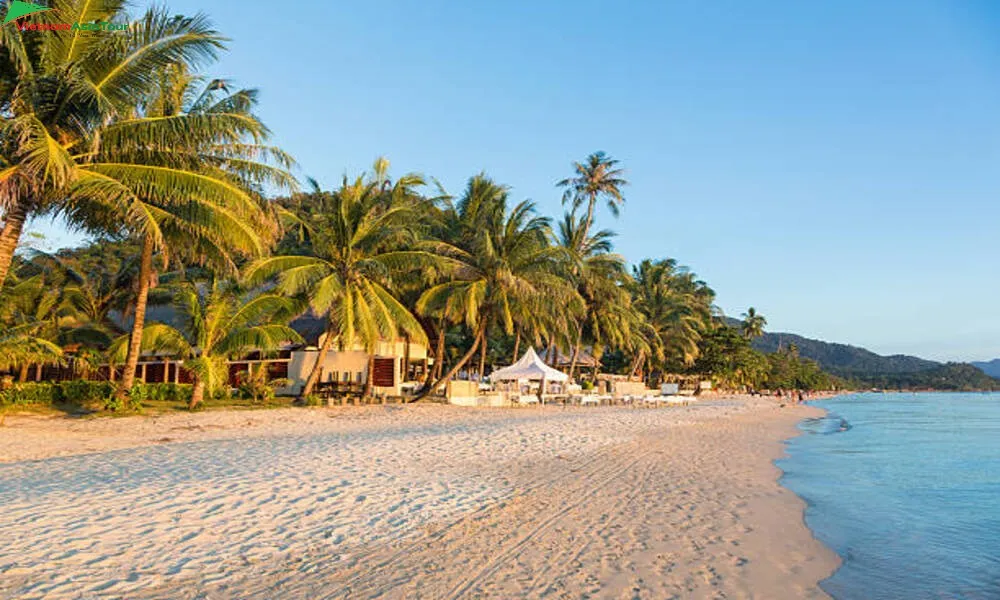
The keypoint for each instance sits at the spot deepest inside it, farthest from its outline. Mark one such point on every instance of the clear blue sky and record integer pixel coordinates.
(834, 164)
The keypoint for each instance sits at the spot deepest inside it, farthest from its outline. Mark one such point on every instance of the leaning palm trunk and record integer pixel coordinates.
(517, 345)
(318, 367)
(9, 237)
(636, 363)
(141, 299)
(455, 369)
(197, 393)
(22, 375)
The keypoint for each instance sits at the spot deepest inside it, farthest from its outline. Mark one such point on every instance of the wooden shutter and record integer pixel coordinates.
(385, 372)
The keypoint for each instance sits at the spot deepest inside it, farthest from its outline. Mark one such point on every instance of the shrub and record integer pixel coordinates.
(312, 400)
(21, 394)
(115, 404)
(587, 385)
(82, 392)
(160, 392)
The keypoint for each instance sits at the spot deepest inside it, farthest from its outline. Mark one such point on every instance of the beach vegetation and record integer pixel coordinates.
(193, 212)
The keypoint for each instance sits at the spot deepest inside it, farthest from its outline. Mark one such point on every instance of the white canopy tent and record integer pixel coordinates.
(528, 367)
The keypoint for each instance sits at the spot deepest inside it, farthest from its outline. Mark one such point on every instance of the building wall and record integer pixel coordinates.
(353, 362)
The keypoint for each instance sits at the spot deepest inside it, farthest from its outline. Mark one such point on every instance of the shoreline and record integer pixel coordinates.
(431, 502)
(821, 412)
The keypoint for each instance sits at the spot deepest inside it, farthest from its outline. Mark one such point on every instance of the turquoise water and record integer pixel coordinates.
(906, 489)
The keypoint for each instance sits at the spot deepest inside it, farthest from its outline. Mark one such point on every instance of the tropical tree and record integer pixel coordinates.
(217, 323)
(32, 314)
(95, 129)
(60, 88)
(598, 275)
(20, 346)
(191, 163)
(598, 177)
(361, 238)
(503, 260)
(753, 324)
(678, 310)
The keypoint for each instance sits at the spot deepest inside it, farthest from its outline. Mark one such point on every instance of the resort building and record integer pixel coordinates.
(396, 366)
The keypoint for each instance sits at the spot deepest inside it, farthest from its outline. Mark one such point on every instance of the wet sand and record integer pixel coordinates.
(408, 502)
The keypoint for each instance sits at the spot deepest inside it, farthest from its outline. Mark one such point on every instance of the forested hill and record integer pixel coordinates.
(868, 369)
(843, 359)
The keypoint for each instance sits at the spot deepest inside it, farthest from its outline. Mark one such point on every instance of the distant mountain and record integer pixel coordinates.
(867, 368)
(991, 368)
(840, 359)
(843, 359)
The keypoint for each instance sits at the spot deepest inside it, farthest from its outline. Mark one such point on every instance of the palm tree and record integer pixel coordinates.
(503, 260)
(21, 346)
(361, 238)
(597, 177)
(678, 309)
(88, 132)
(187, 165)
(33, 315)
(753, 324)
(218, 324)
(597, 273)
(58, 91)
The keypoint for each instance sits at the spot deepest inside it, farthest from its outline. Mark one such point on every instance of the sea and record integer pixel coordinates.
(905, 487)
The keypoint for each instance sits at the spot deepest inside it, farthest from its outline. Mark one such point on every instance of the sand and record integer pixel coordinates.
(408, 502)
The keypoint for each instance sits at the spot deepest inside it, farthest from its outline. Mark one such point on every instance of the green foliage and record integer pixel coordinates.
(726, 355)
(587, 385)
(958, 377)
(24, 394)
(312, 400)
(160, 392)
(257, 387)
(82, 393)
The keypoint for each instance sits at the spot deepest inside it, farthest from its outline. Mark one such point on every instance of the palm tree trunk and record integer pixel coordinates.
(141, 299)
(13, 224)
(197, 393)
(590, 215)
(317, 369)
(576, 351)
(369, 379)
(22, 375)
(461, 363)
(482, 360)
(439, 352)
(635, 365)
(406, 358)
(517, 345)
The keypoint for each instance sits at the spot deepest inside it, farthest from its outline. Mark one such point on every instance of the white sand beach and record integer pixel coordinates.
(407, 502)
